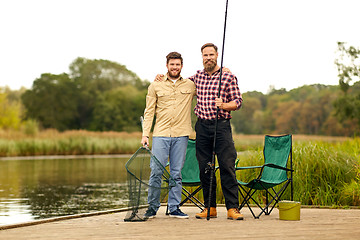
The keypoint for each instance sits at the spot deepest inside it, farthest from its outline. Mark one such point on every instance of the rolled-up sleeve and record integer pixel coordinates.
(234, 92)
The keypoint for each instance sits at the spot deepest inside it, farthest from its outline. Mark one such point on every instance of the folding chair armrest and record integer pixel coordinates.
(278, 167)
(249, 167)
(236, 162)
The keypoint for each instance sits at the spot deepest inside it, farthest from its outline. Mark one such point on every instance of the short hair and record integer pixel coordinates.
(209, 45)
(174, 55)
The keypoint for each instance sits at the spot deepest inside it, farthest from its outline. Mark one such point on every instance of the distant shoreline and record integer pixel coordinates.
(65, 157)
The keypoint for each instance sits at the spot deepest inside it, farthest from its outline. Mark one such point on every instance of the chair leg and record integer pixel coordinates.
(267, 203)
(274, 199)
(167, 210)
(191, 197)
(243, 202)
(246, 200)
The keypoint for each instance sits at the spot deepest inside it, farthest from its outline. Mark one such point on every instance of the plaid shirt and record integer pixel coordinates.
(207, 89)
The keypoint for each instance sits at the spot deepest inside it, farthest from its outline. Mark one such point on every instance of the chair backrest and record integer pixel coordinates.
(190, 172)
(277, 150)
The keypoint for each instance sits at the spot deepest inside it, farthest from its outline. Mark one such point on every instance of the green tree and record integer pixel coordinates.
(287, 117)
(95, 77)
(315, 108)
(119, 109)
(249, 119)
(14, 95)
(10, 112)
(304, 110)
(52, 101)
(72, 101)
(100, 75)
(348, 63)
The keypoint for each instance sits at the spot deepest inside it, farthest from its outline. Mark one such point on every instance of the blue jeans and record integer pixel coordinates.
(164, 149)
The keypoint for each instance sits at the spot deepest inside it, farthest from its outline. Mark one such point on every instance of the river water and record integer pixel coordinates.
(34, 189)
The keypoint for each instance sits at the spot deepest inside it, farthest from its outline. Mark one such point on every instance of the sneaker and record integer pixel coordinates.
(234, 214)
(149, 213)
(203, 214)
(178, 214)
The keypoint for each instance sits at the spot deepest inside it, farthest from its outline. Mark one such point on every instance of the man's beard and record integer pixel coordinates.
(174, 76)
(210, 65)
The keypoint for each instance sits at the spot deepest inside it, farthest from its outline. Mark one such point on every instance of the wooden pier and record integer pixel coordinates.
(315, 223)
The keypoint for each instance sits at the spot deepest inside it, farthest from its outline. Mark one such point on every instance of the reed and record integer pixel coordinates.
(326, 173)
(327, 169)
(322, 171)
(52, 142)
(78, 142)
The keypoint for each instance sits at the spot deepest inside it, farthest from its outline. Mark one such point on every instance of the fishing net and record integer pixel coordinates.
(138, 172)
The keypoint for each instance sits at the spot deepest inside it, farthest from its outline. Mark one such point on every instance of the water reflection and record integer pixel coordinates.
(36, 189)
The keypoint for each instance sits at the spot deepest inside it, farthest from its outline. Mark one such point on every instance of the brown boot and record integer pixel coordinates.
(234, 214)
(204, 213)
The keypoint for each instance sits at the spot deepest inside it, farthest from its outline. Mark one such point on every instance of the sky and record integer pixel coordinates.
(268, 43)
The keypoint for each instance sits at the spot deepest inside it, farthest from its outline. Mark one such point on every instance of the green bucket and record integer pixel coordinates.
(289, 210)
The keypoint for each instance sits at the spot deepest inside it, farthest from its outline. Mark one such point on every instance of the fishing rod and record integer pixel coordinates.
(212, 164)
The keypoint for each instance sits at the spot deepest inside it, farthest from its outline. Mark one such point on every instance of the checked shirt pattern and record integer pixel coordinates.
(207, 89)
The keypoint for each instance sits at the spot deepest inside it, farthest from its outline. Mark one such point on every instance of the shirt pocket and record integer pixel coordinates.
(185, 95)
(164, 99)
(185, 91)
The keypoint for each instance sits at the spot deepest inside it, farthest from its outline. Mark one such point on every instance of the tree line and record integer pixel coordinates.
(305, 110)
(97, 95)
(100, 95)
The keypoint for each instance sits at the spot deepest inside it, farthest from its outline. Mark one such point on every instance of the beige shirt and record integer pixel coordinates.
(171, 104)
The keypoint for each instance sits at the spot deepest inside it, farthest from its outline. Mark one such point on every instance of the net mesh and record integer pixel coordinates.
(138, 173)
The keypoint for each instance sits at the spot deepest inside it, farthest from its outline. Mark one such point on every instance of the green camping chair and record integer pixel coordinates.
(277, 164)
(191, 177)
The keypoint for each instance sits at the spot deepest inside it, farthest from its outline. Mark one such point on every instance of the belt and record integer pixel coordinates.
(211, 122)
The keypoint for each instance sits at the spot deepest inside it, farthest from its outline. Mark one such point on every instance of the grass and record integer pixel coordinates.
(327, 169)
(327, 173)
(52, 142)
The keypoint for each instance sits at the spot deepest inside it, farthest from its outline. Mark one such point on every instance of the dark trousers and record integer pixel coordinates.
(226, 156)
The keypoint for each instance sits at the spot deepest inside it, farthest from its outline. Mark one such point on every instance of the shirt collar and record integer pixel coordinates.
(217, 71)
(166, 77)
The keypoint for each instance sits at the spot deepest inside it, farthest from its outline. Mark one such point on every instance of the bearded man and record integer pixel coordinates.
(207, 85)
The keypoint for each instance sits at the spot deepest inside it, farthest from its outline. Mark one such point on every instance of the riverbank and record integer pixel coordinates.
(66, 157)
(80, 142)
(315, 223)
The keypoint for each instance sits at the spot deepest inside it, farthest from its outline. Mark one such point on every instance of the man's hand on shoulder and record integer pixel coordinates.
(159, 77)
(227, 70)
